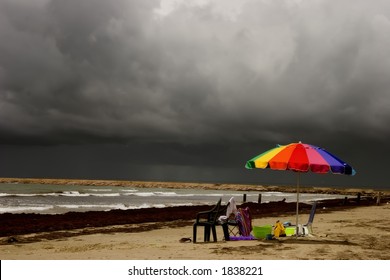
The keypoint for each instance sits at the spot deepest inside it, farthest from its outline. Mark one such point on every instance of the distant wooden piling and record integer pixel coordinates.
(378, 198)
(244, 197)
(259, 199)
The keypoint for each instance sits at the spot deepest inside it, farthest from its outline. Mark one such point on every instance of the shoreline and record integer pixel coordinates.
(23, 230)
(188, 185)
(53, 226)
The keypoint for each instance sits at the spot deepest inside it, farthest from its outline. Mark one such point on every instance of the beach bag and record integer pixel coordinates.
(279, 229)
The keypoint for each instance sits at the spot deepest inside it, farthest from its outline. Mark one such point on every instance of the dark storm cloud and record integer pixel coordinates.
(196, 77)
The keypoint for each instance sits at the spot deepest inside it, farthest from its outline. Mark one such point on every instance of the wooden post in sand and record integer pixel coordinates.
(244, 197)
(259, 199)
(378, 199)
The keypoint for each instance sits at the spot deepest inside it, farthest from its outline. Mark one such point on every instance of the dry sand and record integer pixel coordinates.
(361, 233)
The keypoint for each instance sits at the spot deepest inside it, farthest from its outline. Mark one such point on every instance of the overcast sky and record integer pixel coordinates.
(191, 90)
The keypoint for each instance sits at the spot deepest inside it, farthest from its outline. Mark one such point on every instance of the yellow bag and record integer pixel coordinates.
(279, 229)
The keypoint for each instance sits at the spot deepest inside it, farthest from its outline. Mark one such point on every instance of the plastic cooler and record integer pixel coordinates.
(262, 232)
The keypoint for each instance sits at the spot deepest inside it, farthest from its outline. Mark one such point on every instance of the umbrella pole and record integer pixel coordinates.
(296, 218)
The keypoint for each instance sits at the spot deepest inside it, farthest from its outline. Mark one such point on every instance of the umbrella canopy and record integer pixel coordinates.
(300, 157)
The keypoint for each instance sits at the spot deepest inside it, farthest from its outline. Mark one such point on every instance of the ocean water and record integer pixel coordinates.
(57, 199)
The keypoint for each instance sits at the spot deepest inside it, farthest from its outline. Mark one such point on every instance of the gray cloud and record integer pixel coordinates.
(197, 77)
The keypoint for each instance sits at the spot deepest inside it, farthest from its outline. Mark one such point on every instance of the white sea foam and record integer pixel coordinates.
(181, 204)
(99, 190)
(74, 193)
(62, 199)
(166, 193)
(159, 205)
(156, 205)
(26, 209)
(92, 206)
(106, 194)
(144, 205)
(144, 194)
(272, 194)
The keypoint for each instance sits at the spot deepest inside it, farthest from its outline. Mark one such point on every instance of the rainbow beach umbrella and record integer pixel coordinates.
(300, 157)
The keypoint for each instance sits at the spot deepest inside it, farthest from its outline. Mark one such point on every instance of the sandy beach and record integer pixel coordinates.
(361, 233)
(342, 230)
